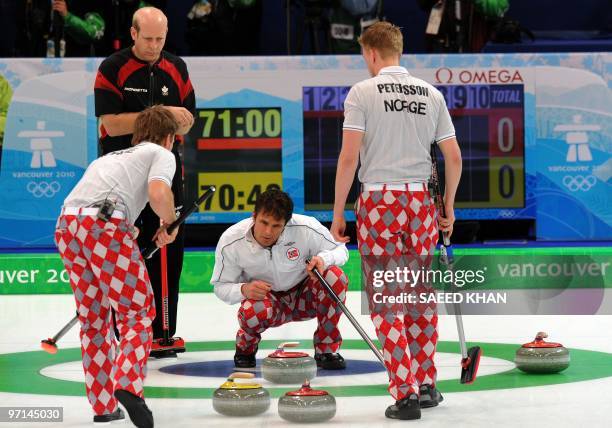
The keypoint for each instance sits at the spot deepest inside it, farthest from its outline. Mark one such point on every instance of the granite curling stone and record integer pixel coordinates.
(288, 367)
(540, 356)
(307, 405)
(241, 399)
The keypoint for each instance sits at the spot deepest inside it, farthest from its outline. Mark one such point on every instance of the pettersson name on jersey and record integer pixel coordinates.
(398, 88)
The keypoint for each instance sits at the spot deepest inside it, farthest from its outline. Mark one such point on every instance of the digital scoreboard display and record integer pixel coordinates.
(239, 151)
(489, 126)
(323, 118)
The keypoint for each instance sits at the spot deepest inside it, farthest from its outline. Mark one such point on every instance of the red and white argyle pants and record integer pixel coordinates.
(395, 225)
(106, 269)
(256, 316)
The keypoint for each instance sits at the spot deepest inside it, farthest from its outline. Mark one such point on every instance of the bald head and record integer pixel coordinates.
(149, 29)
(149, 15)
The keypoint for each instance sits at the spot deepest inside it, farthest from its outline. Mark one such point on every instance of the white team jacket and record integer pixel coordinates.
(240, 259)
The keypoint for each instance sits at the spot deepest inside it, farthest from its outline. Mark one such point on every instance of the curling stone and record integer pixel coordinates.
(540, 356)
(288, 367)
(241, 399)
(307, 405)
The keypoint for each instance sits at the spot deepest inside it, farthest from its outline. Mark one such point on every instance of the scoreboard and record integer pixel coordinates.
(488, 122)
(239, 151)
(323, 117)
(489, 126)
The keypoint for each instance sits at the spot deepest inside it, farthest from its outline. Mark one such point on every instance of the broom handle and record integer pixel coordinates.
(460, 330)
(152, 248)
(447, 256)
(66, 328)
(446, 250)
(348, 314)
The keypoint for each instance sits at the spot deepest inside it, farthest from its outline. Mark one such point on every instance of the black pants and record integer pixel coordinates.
(148, 223)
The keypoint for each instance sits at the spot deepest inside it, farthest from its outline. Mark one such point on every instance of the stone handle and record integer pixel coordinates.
(288, 345)
(241, 375)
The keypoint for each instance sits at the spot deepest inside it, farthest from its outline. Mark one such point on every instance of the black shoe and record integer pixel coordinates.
(159, 354)
(429, 396)
(330, 361)
(244, 361)
(117, 415)
(140, 415)
(405, 409)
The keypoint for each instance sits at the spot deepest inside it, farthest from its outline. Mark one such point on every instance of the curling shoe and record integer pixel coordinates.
(405, 409)
(117, 415)
(244, 361)
(429, 396)
(140, 415)
(330, 361)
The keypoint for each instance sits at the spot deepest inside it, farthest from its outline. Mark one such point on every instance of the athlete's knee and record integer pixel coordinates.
(337, 279)
(252, 311)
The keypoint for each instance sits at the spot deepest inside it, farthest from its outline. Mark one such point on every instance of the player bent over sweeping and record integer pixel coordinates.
(260, 263)
(96, 240)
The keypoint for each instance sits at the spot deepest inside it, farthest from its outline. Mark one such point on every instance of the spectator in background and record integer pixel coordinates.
(6, 93)
(33, 20)
(84, 26)
(79, 23)
(9, 25)
(440, 34)
(224, 27)
(201, 28)
(468, 33)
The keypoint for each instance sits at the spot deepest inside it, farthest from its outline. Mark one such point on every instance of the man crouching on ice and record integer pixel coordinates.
(260, 262)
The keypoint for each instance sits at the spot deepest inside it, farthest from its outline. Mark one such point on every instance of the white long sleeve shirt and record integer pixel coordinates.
(240, 259)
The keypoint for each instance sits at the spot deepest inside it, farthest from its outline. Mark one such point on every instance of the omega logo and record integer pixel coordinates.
(446, 75)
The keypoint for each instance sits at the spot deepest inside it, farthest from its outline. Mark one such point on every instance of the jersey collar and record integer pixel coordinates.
(252, 243)
(134, 57)
(393, 69)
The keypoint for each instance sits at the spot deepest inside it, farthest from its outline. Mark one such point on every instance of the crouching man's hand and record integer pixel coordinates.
(315, 262)
(256, 290)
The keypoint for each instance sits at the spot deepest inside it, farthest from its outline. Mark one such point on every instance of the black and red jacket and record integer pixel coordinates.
(126, 84)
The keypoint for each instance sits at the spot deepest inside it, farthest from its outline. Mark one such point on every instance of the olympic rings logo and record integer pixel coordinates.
(38, 190)
(506, 213)
(579, 182)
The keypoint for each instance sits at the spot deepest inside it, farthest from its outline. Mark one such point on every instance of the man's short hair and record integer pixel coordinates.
(385, 37)
(154, 124)
(135, 23)
(275, 202)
